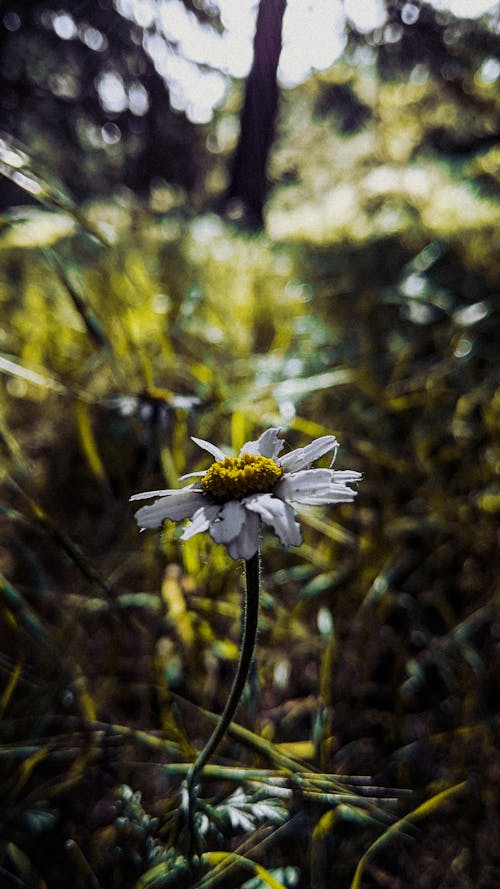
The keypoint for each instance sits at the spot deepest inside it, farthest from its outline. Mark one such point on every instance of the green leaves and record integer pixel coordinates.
(429, 807)
(376, 648)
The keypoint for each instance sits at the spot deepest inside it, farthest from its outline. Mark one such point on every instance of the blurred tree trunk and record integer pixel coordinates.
(247, 191)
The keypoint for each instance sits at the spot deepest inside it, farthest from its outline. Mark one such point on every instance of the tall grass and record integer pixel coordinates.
(375, 670)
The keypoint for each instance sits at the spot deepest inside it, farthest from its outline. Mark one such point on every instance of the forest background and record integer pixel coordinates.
(322, 257)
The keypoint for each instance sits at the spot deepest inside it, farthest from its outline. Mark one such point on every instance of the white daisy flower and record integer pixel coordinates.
(237, 495)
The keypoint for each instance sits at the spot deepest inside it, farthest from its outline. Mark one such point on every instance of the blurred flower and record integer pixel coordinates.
(236, 495)
(154, 405)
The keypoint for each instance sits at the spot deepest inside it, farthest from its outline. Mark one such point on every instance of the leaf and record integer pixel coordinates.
(239, 819)
(82, 865)
(30, 227)
(10, 688)
(326, 823)
(24, 867)
(92, 325)
(15, 369)
(245, 810)
(239, 421)
(16, 165)
(28, 766)
(14, 601)
(164, 875)
(179, 615)
(217, 858)
(270, 810)
(89, 444)
(12, 447)
(330, 529)
(422, 811)
(299, 387)
(297, 749)
(135, 600)
(288, 874)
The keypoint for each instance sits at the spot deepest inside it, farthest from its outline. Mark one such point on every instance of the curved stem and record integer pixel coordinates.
(249, 621)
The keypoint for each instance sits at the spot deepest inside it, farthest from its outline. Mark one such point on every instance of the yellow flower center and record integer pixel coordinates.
(237, 477)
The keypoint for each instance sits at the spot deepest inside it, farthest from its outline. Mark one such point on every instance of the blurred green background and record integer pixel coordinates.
(322, 257)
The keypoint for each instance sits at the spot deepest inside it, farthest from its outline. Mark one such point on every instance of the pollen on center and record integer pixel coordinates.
(236, 477)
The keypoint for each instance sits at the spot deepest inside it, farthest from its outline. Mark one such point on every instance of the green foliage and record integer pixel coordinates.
(390, 175)
(369, 311)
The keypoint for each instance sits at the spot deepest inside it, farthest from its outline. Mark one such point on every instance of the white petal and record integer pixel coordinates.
(303, 457)
(180, 505)
(317, 486)
(267, 445)
(278, 514)
(305, 483)
(346, 475)
(184, 401)
(216, 452)
(246, 544)
(201, 520)
(232, 516)
(147, 495)
(335, 451)
(337, 494)
(342, 493)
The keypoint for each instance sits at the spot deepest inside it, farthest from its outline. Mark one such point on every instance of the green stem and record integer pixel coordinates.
(249, 621)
